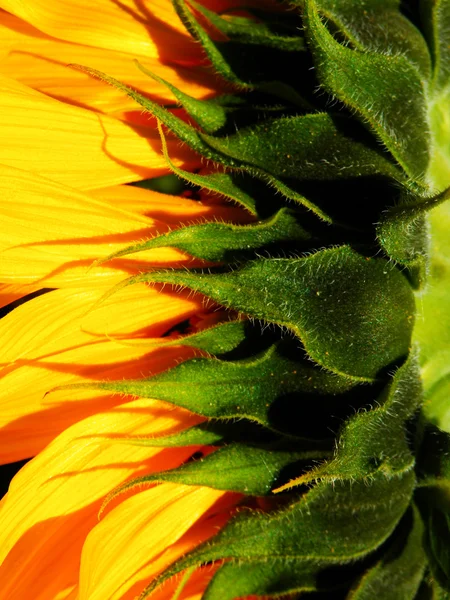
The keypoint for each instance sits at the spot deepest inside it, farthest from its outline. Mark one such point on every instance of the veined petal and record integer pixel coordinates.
(40, 62)
(51, 341)
(53, 501)
(174, 210)
(10, 293)
(52, 235)
(122, 25)
(75, 146)
(146, 524)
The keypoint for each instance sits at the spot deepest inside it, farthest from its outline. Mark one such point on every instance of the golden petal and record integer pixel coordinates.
(50, 341)
(76, 146)
(53, 501)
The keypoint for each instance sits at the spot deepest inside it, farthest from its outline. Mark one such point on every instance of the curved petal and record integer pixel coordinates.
(40, 62)
(50, 341)
(53, 501)
(174, 210)
(52, 235)
(75, 146)
(147, 525)
(123, 25)
(12, 292)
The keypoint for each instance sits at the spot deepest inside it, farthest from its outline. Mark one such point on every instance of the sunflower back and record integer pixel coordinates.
(335, 139)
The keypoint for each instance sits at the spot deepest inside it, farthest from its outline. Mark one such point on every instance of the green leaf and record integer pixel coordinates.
(249, 470)
(252, 389)
(353, 314)
(226, 242)
(384, 90)
(297, 542)
(375, 441)
(398, 573)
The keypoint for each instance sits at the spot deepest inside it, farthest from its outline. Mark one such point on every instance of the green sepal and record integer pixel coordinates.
(199, 142)
(431, 590)
(180, 128)
(215, 114)
(438, 545)
(219, 339)
(317, 298)
(248, 66)
(433, 499)
(398, 573)
(210, 115)
(280, 152)
(237, 186)
(249, 31)
(305, 147)
(250, 388)
(225, 242)
(249, 470)
(403, 233)
(375, 441)
(436, 20)
(370, 24)
(328, 526)
(220, 433)
(268, 579)
(384, 90)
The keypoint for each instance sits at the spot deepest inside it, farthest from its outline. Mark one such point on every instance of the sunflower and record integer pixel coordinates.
(238, 390)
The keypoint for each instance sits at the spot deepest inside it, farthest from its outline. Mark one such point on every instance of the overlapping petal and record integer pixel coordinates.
(172, 210)
(50, 341)
(151, 526)
(140, 28)
(54, 500)
(53, 234)
(76, 146)
(41, 62)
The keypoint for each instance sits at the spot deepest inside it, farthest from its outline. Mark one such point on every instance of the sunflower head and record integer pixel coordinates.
(299, 335)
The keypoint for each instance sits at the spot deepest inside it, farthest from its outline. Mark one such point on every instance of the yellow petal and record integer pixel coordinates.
(126, 26)
(54, 500)
(11, 293)
(40, 62)
(50, 341)
(51, 235)
(174, 210)
(124, 548)
(76, 146)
